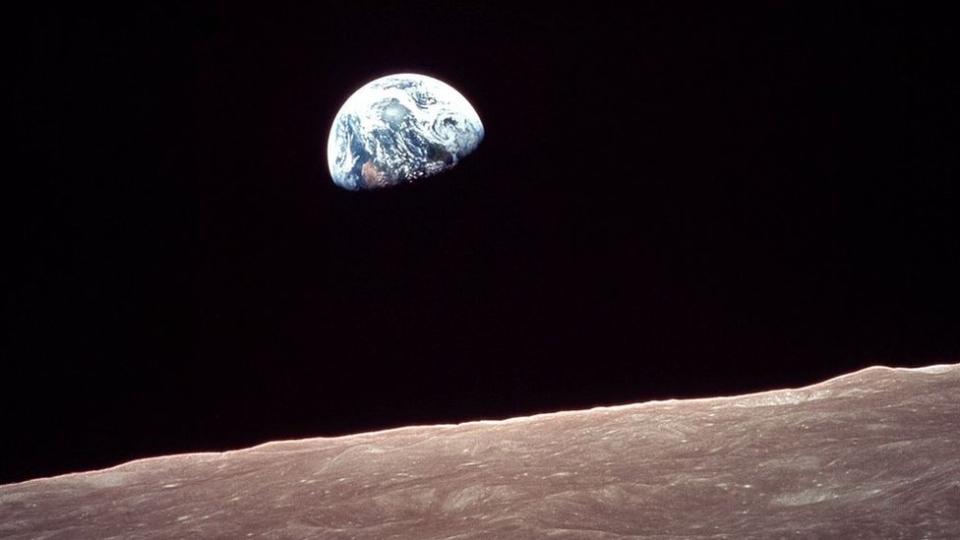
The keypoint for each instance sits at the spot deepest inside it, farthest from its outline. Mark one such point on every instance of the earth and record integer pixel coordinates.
(400, 128)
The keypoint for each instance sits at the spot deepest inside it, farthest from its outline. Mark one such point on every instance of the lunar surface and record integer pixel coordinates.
(873, 454)
(400, 128)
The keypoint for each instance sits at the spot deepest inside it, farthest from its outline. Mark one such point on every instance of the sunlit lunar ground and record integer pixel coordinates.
(872, 454)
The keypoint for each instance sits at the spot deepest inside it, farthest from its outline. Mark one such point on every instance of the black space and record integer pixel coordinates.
(671, 201)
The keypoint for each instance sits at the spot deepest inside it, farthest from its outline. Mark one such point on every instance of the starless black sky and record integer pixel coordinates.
(671, 201)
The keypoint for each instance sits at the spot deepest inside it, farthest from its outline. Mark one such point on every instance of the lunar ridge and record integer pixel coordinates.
(871, 454)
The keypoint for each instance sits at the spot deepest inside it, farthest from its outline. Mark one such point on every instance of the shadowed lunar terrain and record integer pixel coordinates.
(873, 454)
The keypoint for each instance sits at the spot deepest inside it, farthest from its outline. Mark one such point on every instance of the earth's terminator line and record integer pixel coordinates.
(400, 128)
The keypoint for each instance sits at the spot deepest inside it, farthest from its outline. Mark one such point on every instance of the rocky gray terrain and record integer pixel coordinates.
(873, 454)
